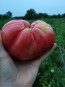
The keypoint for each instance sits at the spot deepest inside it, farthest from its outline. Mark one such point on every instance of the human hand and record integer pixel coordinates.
(18, 74)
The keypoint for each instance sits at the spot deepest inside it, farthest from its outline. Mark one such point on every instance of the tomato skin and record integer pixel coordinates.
(24, 41)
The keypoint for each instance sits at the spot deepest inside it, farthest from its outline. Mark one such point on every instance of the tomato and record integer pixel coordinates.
(25, 41)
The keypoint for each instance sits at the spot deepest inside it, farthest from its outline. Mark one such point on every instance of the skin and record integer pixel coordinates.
(17, 74)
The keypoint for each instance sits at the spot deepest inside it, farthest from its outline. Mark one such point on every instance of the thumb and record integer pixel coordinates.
(37, 62)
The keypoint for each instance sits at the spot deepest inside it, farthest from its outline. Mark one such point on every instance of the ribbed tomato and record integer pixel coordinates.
(24, 41)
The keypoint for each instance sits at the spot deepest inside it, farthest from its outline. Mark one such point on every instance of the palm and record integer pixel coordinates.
(16, 73)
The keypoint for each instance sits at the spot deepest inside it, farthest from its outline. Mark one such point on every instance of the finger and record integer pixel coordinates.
(3, 52)
(47, 53)
(7, 67)
(37, 62)
(1, 44)
(0, 36)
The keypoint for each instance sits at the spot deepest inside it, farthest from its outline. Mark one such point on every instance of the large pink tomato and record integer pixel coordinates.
(24, 41)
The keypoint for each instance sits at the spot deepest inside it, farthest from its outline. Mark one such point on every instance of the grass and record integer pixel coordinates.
(51, 72)
(2, 22)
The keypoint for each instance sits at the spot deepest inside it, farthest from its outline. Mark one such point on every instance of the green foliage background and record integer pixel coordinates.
(51, 72)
